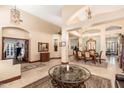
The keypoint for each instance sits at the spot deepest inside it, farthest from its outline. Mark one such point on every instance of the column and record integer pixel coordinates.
(0, 43)
(65, 47)
(80, 43)
(103, 43)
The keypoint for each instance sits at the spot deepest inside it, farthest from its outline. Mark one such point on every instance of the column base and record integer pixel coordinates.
(64, 63)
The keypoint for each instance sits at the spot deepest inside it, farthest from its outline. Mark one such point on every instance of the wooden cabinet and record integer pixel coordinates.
(44, 56)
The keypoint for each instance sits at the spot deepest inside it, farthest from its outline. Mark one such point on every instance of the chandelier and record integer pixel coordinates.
(88, 12)
(15, 15)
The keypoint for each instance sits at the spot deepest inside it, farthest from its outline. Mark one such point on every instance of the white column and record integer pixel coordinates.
(80, 43)
(103, 43)
(65, 48)
(0, 43)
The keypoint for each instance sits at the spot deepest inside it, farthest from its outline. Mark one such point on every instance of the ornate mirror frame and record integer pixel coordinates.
(91, 44)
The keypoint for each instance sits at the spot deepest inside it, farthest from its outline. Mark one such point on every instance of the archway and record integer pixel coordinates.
(15, 44)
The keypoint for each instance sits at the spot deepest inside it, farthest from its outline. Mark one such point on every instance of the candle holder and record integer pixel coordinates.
(67, 68)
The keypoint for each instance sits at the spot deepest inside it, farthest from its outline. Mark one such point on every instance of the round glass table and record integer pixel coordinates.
(69, 76)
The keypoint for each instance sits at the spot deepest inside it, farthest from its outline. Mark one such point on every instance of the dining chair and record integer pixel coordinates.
(93, 55)
(79, 54)
(92, 52)
(87, 56)
(99, 57)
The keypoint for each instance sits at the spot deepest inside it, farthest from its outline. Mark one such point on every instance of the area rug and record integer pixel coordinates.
(90, 63)
(93, 82)
(29, 66)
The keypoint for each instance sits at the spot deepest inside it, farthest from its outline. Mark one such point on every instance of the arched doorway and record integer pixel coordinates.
(15, 44)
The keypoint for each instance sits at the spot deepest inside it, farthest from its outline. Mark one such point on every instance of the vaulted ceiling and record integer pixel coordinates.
(71, 14)
(50, 13)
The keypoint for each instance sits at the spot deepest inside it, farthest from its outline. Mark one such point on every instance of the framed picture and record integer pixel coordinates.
(62, 44)
(43, 47)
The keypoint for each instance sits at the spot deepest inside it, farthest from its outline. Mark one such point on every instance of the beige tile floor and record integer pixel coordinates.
(38, 73)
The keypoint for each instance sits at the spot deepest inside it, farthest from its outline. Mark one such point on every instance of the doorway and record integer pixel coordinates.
(15, 48)
(112, 46)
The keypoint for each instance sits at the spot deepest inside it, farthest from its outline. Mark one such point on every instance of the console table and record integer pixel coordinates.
(44, 56)
(69, 76)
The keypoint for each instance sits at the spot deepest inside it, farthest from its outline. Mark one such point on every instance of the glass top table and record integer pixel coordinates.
(69, 75)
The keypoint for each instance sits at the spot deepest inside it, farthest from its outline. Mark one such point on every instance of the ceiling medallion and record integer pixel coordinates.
(15, 15)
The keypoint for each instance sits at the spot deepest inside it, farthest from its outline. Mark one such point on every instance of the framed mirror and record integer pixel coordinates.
(43, 47)
(91, 44)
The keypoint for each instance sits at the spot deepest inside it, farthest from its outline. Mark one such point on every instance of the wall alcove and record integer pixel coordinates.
(13, 37)
(15, 32)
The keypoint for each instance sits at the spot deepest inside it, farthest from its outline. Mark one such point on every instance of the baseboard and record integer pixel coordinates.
(34, 61)
(50, 59)
(55, 58)
(10, 79)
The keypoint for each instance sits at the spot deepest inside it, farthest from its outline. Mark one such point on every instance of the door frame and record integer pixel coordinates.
(3, 38)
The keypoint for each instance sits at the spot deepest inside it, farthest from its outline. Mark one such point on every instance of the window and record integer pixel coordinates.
(113, 28)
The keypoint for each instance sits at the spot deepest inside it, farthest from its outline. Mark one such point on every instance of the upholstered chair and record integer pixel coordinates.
(99, 57)
(87, 56)
(80, 56)
(92, 52)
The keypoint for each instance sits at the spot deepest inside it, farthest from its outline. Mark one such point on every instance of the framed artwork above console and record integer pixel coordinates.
(43, 47)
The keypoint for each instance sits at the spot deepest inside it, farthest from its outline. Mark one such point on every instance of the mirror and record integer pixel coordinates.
(91, 44)
(43, 47)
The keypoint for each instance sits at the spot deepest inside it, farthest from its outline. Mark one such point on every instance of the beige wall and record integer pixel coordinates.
(39, 30)
(15, 32)
(8, 70)
(0, 43)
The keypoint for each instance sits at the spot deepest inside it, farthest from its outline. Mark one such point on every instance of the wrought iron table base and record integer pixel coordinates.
(57, 84)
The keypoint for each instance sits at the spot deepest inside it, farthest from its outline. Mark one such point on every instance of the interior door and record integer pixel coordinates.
(112, 47)
(9, 50)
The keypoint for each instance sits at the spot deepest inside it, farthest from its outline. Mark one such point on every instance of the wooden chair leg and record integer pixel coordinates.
(95, 61)
(100, 61)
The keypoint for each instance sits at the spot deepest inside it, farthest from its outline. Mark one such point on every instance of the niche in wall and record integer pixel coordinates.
(14, 34)
(56, 45)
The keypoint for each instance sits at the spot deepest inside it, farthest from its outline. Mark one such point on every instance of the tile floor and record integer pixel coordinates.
(35, 74)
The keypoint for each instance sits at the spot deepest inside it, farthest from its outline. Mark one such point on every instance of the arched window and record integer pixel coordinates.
(91, 31)
(110, 28)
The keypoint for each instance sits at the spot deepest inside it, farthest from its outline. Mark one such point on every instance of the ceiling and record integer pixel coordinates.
(53, 13)
(50, 13)
(95, 11)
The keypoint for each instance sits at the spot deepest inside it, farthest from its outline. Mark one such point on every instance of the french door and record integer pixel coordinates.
(9, 49)
(112, 48)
